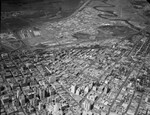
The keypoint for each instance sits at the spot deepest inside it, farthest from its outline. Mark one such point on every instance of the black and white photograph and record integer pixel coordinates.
(75, 57)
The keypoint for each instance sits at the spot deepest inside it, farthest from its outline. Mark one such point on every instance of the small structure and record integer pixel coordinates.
(36, 31)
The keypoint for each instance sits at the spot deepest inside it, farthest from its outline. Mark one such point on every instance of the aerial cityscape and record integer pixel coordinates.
(90, 58)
